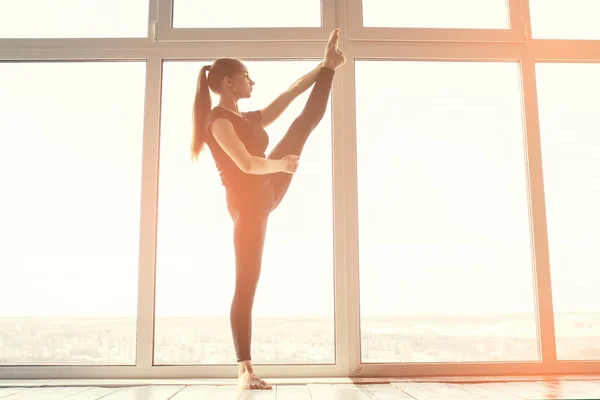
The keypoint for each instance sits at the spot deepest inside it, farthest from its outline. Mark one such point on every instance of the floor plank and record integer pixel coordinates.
(64, 392)
(5, 392)
(417, 390)
(351, 392)
(492, 391)
(579, 389)
(32, 393)
(322, 392)
(94, 393)
(385, 392)
(144, 393)
(531, 390)
(194, 393)
(225, 393)
(458, 391)
(260, 394)
(293, 392)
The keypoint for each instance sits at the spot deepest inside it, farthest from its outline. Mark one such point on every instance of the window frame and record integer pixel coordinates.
(165, 32)
(515, 32)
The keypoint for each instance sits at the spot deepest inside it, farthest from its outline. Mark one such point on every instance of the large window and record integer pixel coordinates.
(70, 156)
(560, 19)
(465, 14)
(246, 14)
(569, 104)
(443, 214)
(73, 18)
(293, 309)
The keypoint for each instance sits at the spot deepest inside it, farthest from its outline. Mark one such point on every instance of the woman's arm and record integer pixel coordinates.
(225, 135)
(271, 112)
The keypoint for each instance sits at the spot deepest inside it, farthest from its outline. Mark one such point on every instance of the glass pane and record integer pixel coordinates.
(568, 105)
(458, 14)
(195, 259)
(247, 14)
(73, 18)
(70, 150)
(445, 261)
(560, 19)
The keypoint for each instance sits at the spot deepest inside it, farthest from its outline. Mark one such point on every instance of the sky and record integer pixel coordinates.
(442, 193)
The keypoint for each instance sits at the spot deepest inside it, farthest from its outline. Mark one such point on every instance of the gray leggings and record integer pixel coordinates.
(250, 221)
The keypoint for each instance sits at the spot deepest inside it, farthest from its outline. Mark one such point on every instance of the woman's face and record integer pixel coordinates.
(240, 84)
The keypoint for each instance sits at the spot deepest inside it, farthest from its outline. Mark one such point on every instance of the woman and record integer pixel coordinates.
(255, 184)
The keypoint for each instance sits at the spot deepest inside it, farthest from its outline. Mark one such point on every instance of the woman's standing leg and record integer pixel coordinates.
(248, 239)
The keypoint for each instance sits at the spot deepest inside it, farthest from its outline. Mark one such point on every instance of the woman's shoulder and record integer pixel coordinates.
(215, 114)
(252, 117)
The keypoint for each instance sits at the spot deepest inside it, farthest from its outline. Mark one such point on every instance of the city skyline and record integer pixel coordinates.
(293, 340)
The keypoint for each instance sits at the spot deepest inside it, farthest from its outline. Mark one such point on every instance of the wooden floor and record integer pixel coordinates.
(564, 389)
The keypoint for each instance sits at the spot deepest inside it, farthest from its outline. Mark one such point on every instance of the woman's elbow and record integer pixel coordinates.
(245, 165)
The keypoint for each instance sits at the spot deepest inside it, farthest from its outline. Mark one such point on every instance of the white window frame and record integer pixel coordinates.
(515, 32)
(358, 43)
(166, 33)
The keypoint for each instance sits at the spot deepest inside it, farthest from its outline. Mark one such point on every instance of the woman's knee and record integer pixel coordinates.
(307, 121)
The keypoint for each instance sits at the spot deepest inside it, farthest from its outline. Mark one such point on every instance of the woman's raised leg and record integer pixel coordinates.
(295, 138)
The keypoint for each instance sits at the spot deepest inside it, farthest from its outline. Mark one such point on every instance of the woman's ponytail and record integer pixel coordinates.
(202, 105)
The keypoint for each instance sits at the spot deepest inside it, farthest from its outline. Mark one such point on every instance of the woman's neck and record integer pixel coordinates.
(229, 103)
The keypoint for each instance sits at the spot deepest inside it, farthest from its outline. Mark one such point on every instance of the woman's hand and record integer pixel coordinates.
(290, 163)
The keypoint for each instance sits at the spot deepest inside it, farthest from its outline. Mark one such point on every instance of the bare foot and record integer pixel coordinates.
(249, 381)
(333, 57)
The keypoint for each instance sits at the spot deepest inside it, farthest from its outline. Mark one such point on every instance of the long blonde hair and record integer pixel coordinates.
(209, 78)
